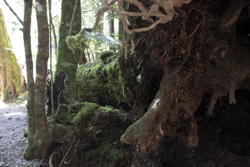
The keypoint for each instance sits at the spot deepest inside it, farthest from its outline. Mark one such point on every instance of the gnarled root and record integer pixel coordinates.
(164, 113)
(146, 131)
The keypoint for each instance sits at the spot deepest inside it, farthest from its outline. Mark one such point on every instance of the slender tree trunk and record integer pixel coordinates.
(121, 33)
(29, 68)
(41, 70)
(40, 139)
(112, 28)
(112, 25)
(51, 51)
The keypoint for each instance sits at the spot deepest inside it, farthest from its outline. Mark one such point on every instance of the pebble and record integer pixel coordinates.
(18, 119)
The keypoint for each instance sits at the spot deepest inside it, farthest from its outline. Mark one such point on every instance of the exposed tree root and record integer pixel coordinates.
(218, 73)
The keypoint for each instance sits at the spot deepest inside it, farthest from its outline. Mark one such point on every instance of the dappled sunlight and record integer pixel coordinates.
(19, 113)
(3, 105)
(156, 103)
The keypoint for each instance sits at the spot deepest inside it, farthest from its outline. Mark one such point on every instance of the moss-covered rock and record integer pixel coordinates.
(103, 127)
(101, 83)
(94, 119)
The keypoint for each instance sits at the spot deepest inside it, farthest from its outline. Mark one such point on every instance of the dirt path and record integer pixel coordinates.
(12, 140)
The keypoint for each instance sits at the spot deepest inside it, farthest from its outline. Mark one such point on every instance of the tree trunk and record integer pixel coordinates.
(120, 31)
(67, 60)
(40, 138)
(112, 28)
(112, 25)
(29, 69)
(11, 79)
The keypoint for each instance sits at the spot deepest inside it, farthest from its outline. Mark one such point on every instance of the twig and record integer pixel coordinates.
(136, 14)
(72, 18)
(232, 99)
(196, 28)
(65, 156)
(13, 12)
(213, 100)
(51, 27)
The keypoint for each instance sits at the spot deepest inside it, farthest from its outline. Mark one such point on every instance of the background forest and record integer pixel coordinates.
(130, 83)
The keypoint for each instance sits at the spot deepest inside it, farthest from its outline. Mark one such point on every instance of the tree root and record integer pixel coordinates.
(146, 131)
(213, 100)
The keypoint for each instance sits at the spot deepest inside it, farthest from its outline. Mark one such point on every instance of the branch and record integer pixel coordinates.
(154, 11)
(232, 13)
(13, 12)
(72, 18)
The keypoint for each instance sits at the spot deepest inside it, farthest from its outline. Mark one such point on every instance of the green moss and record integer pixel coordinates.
(65, 117)
(101, 81)
(66, 59)
(85, 111)
(107, 56)
(75, 42)
(28, 152)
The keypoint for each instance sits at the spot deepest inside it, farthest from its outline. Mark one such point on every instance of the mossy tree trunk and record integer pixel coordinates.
(11, 79)
(67, 60)
(40, 138)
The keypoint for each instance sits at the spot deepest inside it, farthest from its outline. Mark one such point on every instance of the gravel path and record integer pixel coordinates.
(12, 140)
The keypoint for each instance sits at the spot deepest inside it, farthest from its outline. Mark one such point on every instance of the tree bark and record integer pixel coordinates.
(120, 31)
(40, 138)
(29, 69)
(67, 60)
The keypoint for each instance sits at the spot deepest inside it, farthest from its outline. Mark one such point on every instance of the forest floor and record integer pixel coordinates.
(12, 141)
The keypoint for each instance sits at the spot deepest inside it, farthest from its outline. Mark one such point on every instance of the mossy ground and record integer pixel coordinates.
(97, 132)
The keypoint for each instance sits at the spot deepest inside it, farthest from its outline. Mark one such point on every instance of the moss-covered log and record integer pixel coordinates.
(11, 79)
(101, 82)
